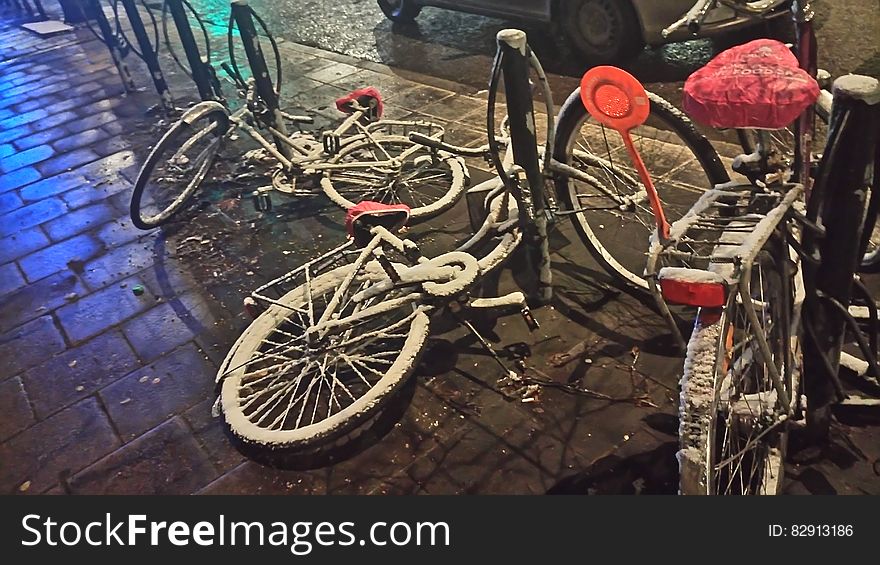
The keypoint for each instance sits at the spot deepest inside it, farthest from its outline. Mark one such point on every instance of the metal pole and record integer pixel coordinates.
(265, 89)
(150, 57)
(197, 64)
(839, 203)
(40, 9)
(521, 114)
(113, 45)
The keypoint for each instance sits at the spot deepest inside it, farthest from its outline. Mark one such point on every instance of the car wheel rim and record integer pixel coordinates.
(599, 24)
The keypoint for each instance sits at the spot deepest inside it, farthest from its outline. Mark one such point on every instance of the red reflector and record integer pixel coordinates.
(701, 294)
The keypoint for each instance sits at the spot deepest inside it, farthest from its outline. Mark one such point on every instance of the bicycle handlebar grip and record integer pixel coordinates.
(423, 139)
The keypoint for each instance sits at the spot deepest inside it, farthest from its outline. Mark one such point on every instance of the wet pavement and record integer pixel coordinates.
(108, 390)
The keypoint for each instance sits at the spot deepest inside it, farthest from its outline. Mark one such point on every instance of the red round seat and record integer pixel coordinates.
(756, 85)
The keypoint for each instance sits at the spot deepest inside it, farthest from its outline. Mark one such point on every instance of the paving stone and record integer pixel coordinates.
(168, 460)
(19, 178)
(152, 394)
(101, 310)
(29, 345)
(9, 202)
(210, 434)
(35, 300)
(57, 119)
(15, 411)
(119, 232)
(251, 478)
(25, 158)
(42, 137)
(91, 122)
(22, 243)
(52, 186)
(67, 162)
(169, 325)
(11, 134)
(10, 278)
(70, 254)
(59, 446)
(23, 119)
(78, 372)
(118, 264)
(82, 139)
(31, 215)
(93, 192)
(81, 220)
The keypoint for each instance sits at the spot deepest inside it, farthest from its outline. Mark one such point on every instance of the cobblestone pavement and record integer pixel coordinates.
(105, 390)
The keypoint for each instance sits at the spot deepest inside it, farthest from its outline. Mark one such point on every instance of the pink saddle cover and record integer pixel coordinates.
(755, 85)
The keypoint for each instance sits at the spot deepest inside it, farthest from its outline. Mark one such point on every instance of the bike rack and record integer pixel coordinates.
(515, 66)
(111, 40)
(243, 16)
(841, 190)
(26, 6)
(199, 67)
(149, 55)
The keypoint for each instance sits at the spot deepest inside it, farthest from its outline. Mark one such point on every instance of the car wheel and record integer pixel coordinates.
(602, 31)
(400, 10)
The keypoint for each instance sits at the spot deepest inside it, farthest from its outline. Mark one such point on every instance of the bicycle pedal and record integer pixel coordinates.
(530, 320)
(519, 350)
(262, 200)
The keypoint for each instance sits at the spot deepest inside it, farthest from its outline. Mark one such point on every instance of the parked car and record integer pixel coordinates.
(602, 31)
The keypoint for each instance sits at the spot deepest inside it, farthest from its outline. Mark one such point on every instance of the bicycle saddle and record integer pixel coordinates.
(367, 97)
(362, 217)
(756, 85)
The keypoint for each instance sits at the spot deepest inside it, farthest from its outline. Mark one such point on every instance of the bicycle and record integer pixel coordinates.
(365, 157)
(340, 334)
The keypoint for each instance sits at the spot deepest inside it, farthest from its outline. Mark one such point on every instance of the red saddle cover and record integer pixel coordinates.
(392, 216)
(362, 96)
(755, 85)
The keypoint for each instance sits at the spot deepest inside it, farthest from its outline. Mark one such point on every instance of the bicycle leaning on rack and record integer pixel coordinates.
(366, 157)
(341, 333)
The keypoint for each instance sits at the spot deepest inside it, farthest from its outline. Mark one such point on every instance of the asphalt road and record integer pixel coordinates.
(459, 46)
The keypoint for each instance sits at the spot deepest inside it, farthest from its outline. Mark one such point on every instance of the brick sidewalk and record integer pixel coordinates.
(107, 391)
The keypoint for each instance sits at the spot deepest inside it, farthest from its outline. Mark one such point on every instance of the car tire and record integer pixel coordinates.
(399, 10)
(601, 31)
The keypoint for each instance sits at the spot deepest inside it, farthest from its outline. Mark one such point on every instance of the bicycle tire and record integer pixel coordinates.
(341, 188)
(665, 121)
(175, 140)
(723, 376)
(275, 323)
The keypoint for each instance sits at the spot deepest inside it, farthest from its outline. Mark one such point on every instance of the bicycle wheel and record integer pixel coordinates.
(733, 425)
(280, 390)
(682, 163)
(177, 165)
(429, 182)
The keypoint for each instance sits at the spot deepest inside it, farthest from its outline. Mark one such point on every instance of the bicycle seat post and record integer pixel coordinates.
(513, 49)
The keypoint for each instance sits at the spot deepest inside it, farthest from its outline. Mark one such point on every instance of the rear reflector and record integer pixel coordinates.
(689, 293)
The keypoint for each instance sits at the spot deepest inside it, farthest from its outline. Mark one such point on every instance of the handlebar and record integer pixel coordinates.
(693, 19)
(435, 143)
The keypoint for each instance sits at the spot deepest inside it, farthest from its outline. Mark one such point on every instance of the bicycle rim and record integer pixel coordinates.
(429, 182)
(175, 169)
(681, 162)
(733, 432)
(280, 391)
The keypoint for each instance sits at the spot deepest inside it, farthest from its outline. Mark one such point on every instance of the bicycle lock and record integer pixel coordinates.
(513, 51)
(833, 251)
